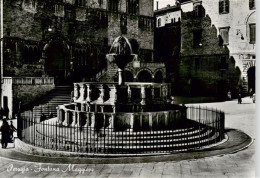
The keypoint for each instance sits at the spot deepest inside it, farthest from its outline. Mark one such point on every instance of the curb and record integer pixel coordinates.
(227, 147)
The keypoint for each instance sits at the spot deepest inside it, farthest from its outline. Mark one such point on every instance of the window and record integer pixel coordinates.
(198, 10)
(132, 6)
(145, 23)
(80, 2)
(159, 22)
(223, 6)
(252, 33)
(113, 5)
(251, 4)
(59, 10)
(223, 32)
(197, 38)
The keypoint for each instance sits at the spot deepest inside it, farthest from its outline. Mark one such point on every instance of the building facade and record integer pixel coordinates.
(68, 39)
(217, 49)
(235, 22)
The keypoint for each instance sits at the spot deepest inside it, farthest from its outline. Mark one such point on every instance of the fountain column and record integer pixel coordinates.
(150, 121)
(129, 92)
(82, 93)
(88, 93)
(76, 92)
(102, 94)
(152, 92)
(66, 120)
(112, 94)
(142, 95)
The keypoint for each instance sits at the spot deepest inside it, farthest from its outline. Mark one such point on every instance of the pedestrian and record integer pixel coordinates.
(5, 129)
(43, 117)
(12, 130)
(229, 95)
(239, 99)
(251, 93)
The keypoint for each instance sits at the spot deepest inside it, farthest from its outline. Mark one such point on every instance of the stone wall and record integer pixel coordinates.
(205, 69)
(92, 30)
(29, 94)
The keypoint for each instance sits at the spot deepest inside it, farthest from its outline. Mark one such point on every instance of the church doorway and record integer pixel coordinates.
(56, 63)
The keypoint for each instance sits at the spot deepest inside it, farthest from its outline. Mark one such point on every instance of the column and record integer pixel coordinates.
(131, 122)
(76, 92)
(111, 122)
(66, 120)
(102, 94)
(166, 119)
(82, 92)
(74, 119)
(142, 95)
(112, 94)
(114, 109)
(129, 92)
(120, 77)
(150, 121)
(88, 93)
(93, 121)
(152, 92)
(102, 108)
(58, 115)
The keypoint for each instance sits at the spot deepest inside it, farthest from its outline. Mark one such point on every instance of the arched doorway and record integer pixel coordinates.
(158, 77)
(57, 63)
(144, 76)
(251, 78)
(129, 76)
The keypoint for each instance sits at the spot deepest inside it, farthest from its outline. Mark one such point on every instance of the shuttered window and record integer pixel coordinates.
(113, 5)
(224, 33)
(252, 33)
(132, 6)
(251, 4)
(223, 6)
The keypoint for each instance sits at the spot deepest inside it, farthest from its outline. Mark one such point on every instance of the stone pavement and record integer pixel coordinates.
(238, 164)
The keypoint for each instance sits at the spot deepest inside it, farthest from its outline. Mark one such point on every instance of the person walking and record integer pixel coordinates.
(12, 130)
(5, 129)
(239, 98)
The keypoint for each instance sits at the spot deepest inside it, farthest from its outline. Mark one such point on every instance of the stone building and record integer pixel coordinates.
(235, 23)
(167, 40)
(208, 49)
(69, 39)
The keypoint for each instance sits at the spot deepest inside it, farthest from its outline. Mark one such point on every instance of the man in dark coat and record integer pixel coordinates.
(5, 129)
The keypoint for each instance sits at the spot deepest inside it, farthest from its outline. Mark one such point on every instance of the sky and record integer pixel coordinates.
(164, 3)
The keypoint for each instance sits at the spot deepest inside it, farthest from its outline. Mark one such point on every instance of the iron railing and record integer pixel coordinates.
(198, 128)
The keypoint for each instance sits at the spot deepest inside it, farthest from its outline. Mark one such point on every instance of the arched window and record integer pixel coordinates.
(223, 6)
(159, 22)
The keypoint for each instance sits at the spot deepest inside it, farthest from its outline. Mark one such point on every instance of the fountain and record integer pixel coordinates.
(126, 117)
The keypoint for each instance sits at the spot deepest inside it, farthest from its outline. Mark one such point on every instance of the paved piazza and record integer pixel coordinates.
(239, 164)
